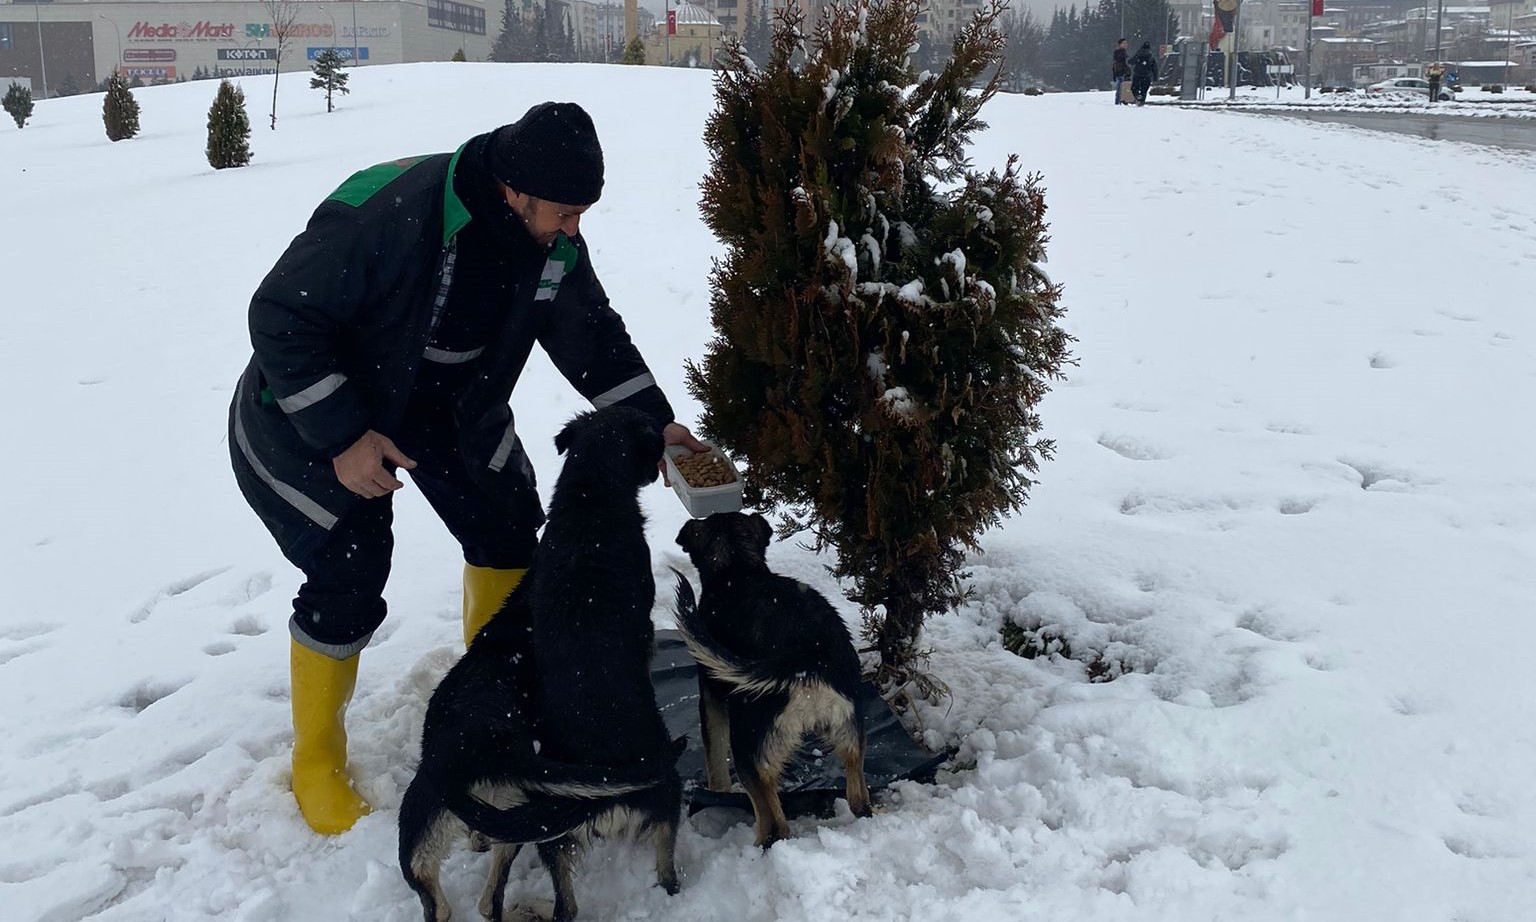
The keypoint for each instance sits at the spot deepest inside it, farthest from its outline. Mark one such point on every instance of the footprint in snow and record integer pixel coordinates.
(141, 696)
(1382, 360)
(172, 590)
(1134, 448)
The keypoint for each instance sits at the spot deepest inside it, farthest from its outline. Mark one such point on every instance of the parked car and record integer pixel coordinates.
(1413, 86)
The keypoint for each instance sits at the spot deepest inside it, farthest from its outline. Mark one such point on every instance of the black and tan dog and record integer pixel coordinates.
(604, 764)
(777, 664)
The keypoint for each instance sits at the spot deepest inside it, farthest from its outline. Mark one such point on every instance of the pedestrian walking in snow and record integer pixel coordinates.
(1120, 69)
(390, 335)
(1143, 72)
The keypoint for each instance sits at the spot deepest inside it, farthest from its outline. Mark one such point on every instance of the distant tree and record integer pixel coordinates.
(458, 56)
(757, 31)
(509, 42)
(202, 73)
(18, 102)
(119, 110)
(634, 52)
(68, 87)
(329, 75)
(229, 128)
(883, 334)
(283, 14)
(1022, 60)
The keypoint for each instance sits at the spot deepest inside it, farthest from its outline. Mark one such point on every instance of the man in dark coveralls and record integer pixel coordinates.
(389, 336)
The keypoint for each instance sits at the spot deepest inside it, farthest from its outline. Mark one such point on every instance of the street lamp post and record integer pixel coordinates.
(354, 33)
(42, 57)
(1439, 24)
(327, 11)
(119, 33)
(1237, 30)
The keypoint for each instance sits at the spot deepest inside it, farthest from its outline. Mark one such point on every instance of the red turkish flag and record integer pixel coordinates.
(671, 22)
(1317, 7)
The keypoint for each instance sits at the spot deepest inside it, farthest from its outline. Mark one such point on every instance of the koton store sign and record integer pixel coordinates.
(247, 54)
(204, 31)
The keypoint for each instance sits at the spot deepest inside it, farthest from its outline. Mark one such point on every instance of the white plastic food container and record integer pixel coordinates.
(704, 501)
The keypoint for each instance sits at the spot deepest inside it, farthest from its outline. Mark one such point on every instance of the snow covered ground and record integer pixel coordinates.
(1293, 499)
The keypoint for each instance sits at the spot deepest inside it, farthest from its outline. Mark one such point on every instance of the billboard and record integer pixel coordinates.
(148, 73)
(345, 51)
(149, 55)
(247, 54)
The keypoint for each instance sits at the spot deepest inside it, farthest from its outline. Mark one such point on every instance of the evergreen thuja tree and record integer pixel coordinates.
(329, 76)
(119, 110)
(18, 102)
(634, 52)
(883, 333)
(229, 128)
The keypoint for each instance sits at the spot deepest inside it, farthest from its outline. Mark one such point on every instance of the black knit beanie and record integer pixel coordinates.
(550, 153)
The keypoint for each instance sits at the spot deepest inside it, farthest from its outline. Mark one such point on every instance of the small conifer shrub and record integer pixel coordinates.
(119, 110)
(18, 102)
(634, 52)
(329, 76)
(229, 128)
(883, 334)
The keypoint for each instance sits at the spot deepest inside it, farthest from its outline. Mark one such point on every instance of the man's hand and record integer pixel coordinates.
(678, 434)
(361, 468)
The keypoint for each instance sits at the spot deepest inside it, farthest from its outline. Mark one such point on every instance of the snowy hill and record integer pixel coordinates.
(1293, 498)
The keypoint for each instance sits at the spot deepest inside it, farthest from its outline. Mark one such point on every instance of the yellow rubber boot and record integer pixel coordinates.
(321, 689)
(485, 589)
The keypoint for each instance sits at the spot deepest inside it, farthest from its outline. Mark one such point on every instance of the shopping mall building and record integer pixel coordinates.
(54, 44)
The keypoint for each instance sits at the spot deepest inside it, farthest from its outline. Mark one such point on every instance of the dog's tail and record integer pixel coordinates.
(752, 679)
(571, 796)
(536, 821)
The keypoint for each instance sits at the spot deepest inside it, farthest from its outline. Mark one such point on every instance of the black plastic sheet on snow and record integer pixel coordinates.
(811, 782)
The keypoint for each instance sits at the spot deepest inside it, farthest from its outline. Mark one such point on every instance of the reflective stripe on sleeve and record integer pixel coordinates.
(628, 389)
(313, 394)
(445, 357)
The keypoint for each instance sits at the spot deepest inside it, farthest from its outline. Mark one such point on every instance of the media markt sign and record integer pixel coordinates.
(205, 31)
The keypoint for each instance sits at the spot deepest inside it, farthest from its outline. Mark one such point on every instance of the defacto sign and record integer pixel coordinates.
(204, 31)
(344, 52)
(247, 54)
(149, 55)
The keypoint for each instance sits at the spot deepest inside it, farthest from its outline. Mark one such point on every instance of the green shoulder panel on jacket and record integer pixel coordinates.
(455, 215)
(361, 186)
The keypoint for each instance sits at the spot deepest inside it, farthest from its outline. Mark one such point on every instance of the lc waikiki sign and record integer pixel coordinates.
(204, 31)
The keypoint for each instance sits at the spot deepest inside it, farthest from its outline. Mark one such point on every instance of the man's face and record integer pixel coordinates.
(545, 220)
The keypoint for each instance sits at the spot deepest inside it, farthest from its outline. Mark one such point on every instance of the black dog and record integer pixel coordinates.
(604, 763)
(777, 664)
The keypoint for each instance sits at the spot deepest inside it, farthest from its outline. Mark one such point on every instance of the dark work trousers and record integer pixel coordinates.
(341, 602)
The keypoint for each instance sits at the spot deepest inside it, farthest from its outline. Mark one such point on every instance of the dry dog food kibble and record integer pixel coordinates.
(704, 470)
